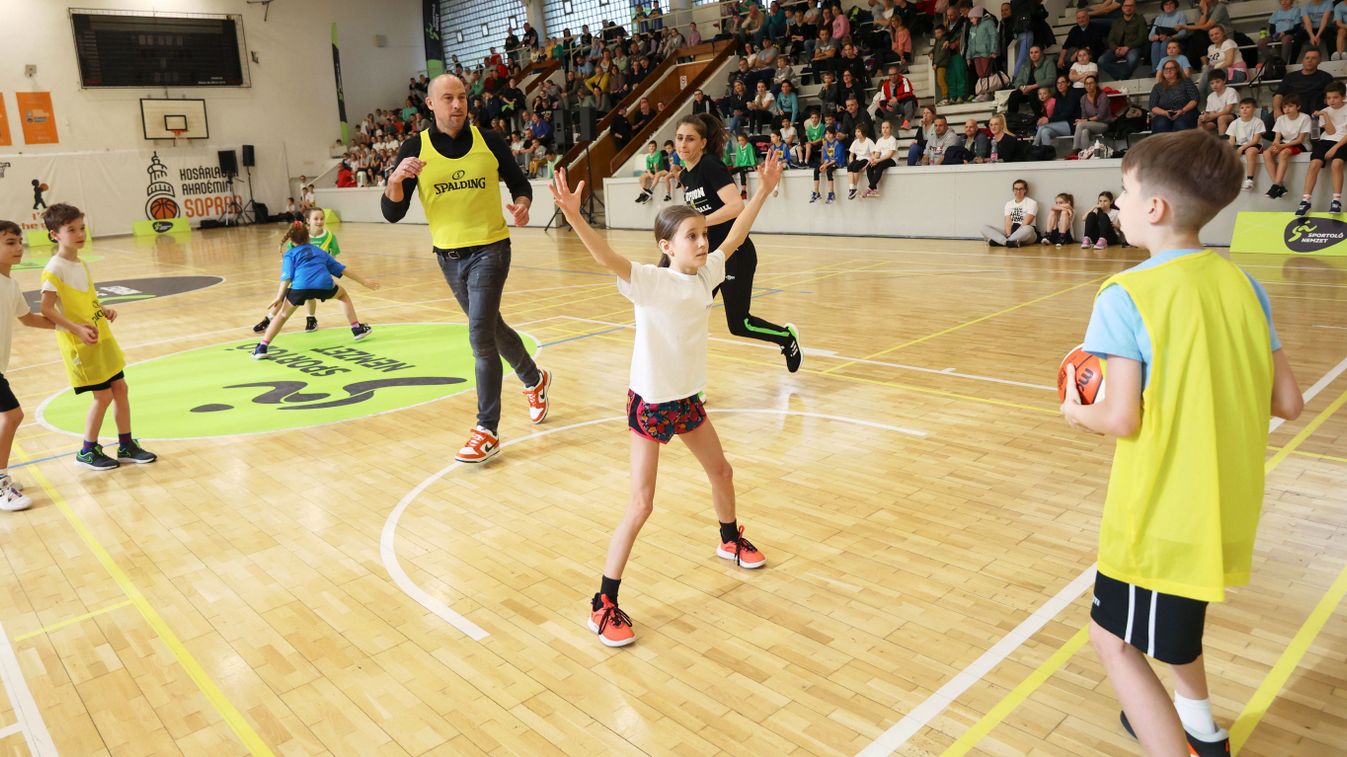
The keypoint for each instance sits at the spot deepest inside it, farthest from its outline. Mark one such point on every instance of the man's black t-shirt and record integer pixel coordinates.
(1308, 87)
(701, 189)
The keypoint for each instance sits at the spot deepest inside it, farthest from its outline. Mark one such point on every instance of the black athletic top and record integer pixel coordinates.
(701, 187)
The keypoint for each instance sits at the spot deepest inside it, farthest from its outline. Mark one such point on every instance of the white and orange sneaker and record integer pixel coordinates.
(742, 552)
(537, 396)
(480, 447)
(611, 624)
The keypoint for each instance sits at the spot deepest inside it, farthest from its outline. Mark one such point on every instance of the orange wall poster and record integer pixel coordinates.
(5, 139)
(37, 117)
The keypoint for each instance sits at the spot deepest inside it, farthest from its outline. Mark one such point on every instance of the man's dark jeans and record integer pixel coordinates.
(477, 277)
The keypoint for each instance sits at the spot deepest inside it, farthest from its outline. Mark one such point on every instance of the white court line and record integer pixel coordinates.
(1326, 326)
(388, 537)
(833, 354)
(10, 730)
(921, 715)
(21, 699)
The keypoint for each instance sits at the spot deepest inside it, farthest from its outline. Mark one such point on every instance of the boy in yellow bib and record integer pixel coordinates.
(1195, 369)
(93, 360)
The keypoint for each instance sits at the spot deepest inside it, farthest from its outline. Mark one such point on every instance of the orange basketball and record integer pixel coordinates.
(1089, 376)
(163, 208)
(43, 187)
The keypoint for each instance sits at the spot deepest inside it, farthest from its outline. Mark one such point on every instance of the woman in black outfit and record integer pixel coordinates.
(708, 187)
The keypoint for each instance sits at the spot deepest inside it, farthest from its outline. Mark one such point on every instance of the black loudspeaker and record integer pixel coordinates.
(260, 211)
(588, 124)
(249, 160)
(229, 163)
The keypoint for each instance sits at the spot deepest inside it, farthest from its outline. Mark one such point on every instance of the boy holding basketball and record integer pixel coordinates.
(93, 360)
(1188, 336)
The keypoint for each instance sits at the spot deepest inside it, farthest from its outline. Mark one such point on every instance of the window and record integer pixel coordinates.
(573, 14)
(471, 29)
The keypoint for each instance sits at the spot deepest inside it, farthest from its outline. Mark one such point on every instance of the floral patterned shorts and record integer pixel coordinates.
(661, 421)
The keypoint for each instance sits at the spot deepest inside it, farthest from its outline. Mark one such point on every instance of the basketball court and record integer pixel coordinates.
(306, 571)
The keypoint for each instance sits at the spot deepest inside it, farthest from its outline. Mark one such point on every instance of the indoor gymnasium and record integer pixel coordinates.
(634, 377)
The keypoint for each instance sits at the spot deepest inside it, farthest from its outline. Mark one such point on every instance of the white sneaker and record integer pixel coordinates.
(12, 499)
(1248, 185)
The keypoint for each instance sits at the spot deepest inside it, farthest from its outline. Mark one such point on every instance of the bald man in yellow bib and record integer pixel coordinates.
(455, 169)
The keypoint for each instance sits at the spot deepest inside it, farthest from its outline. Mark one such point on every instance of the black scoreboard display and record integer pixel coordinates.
(129, 50)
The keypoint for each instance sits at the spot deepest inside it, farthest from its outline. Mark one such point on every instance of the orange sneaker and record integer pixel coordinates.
(611, 624)
(480, 447)
(742, 552)
(537, 396)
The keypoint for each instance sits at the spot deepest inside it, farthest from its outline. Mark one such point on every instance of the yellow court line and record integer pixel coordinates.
(231, 715)
(1318, 456)
(973, 735)
(1272, 683)
(974, 321)
(72, 621)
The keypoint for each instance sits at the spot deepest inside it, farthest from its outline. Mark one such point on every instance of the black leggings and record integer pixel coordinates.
(876, 171)
(737, 294)
(856, 166)
(1098, 225)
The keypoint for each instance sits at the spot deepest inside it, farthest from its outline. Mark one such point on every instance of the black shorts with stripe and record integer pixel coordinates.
(1163, 626)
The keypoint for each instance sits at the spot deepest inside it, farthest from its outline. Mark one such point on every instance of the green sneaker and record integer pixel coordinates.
(94, 459)
(133, 453)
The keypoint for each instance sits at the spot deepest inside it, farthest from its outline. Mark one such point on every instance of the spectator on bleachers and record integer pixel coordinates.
(1246, 136)
(790, 137)
(787, 103)
(1095, 116)
(858, 159)
(1314, 29)
(852, 86)
(1281, 26)
(1083, 67)
(1022, 27)
(703, 104)
(694, 37)
(833, 155)
(751, 24)
(813, 139)
(1308, 84)
(735, 106)
(916, 22)
(1173, 101)
(1219, 109)
(1165, 27)
(1005, 147)
(1101, 9)
(1005, 32)
(883, 157)
(1223, 56)
(956, 34)
(1125, 43)
(1059, 115)
(1340, 23)
(973, 146)
(1040, 71)
(1210, 14)
(830, 95)
(982, 40)
(940, 58)
(784, 72)
(800, 37)
(541, 129)
(899, 44)
(1086, 33)
(775, 26)
(761, 108)
(825, 52)
(851, 61)
(1174, 52)
(1290, 136)
(1328, 148)
(1017, 224)
(895, 100)
(925, 129)
(941, 139)
(855, 117)
(644, 114)
(841, 24)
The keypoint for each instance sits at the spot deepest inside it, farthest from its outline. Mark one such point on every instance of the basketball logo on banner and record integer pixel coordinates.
(160, 203)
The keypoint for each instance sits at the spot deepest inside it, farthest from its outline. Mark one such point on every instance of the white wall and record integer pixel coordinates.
(292, 99)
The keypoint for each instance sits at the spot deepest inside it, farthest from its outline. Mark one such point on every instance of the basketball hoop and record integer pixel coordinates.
(177, 134)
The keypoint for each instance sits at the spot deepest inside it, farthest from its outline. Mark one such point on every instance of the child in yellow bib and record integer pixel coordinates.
(93, 360)
(1195, 369)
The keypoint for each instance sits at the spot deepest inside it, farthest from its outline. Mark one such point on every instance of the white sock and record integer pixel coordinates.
(1195, 714)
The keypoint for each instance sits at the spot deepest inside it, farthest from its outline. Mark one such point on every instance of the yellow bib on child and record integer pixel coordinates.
(85, 364)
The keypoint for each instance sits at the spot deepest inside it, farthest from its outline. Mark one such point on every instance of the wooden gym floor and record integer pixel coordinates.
(929, 522)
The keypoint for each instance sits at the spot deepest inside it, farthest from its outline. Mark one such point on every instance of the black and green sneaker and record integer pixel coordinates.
(792, 349)
(94, 459)
(132, 452)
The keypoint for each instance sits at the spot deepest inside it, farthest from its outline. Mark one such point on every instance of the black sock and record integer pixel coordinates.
(729, 531)
(607, 588)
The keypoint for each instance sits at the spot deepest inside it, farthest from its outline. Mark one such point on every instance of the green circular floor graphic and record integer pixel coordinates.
(312, 379)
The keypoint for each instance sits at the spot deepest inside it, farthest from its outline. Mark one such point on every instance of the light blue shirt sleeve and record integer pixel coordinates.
(288, 266)
(1267, 310)
(1115, 325)
(1340, 13)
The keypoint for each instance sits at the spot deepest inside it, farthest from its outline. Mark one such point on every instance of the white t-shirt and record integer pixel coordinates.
(1217, 102)
(886, 145)
(1243, 131)
(861, 148)
(1083, 70)
(668, 358)
(12, 302)
(788, 135)
(1018, 211)
(1338, 117)
(1290, 129)
(71, 272)
(1216, 55)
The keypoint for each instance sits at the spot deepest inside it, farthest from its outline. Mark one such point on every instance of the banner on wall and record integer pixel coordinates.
(1287, 234)
(430, 25)
(6, 139)
(37, 117)
(341, 93)
(117, 189)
